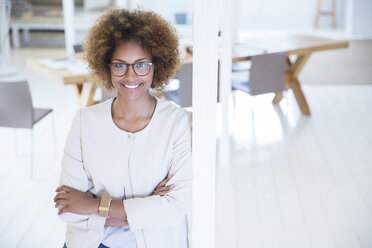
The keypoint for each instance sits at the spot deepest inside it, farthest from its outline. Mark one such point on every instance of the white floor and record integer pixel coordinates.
(299, 181)
(294, 181)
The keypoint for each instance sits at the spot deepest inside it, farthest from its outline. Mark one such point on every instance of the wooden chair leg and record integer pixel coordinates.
(331, 13)
(278, 97)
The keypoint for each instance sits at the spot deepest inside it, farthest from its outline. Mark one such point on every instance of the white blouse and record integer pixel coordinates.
(101, 157)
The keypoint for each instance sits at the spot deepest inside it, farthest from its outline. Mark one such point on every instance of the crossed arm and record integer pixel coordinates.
(78, 202)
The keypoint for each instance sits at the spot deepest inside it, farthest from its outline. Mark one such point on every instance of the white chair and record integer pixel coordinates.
(17, 111)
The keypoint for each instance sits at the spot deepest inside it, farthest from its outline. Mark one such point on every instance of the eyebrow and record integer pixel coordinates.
(123, 61)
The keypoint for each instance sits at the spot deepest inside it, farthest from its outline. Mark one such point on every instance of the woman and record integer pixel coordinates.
(126, 171)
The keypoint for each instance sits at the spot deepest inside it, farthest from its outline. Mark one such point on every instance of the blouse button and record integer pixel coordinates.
(129, 136)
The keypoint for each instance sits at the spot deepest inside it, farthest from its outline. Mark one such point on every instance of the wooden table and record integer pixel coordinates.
(302, 46)
(83, 87)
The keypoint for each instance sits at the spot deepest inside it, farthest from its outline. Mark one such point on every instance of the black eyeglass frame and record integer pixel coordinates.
(131, 65)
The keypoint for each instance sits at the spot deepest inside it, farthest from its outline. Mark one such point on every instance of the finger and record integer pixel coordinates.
(90, 194)
(60, 196)
(60, 202)
(164, 182)
(63, 210)
(64, 188)
(165, 188)
(169, 187)
(166, 179)
(162, 192)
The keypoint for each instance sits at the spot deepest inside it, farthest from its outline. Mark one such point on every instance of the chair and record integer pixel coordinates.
(78, 48)
(267, 74)
(17, 111)
(321, 12)
(183, 95)
(241, 66)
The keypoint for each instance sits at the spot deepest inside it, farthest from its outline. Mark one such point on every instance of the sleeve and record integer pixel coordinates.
(165, 211)
(74, 175)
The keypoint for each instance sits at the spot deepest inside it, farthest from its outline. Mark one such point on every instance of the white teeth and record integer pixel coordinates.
(131, 86)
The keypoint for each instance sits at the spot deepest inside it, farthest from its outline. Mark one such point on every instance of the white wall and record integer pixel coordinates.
(167, 8)
(359, 18)
(287, 14)
(353, 16)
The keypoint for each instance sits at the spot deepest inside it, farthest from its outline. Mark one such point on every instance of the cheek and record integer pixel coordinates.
(151, 77)
(114, 81)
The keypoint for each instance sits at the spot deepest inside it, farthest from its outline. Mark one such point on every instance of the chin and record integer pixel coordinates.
(133, 96)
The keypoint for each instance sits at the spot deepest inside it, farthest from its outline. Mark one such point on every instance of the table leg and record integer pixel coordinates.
(292, 75)
(85, 94)
(78, 88)
(300, 97)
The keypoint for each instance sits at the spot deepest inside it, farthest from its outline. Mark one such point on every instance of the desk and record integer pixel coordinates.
(302, 46)
(83, 88)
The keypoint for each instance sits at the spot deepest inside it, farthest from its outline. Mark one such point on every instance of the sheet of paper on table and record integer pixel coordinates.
(73, 65)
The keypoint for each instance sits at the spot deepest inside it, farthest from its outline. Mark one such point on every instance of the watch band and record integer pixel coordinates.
(104, 205)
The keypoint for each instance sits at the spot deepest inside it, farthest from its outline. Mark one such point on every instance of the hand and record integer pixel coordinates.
(75, 201)
(115, 222)
(161, 189)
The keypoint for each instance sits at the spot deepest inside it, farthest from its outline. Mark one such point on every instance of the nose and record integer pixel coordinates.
(130, 73)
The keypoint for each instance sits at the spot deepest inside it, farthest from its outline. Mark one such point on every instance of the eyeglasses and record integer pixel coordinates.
(120, 69)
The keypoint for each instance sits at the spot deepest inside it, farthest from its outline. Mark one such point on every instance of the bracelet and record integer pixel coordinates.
(104, 206)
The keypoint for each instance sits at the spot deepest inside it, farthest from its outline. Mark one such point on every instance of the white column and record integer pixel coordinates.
(5, 58)
(234, 19)
(68, 20)
(15, 37)
(349, 6)
(225, 81)
(359, 18)
(204, 122)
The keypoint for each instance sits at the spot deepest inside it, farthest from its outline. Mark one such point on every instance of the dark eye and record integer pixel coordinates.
(143, 65)
(121, 66)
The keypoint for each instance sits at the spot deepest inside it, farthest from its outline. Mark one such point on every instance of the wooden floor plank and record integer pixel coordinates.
(290, 204)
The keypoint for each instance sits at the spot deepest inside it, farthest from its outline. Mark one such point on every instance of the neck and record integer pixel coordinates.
(126, 109)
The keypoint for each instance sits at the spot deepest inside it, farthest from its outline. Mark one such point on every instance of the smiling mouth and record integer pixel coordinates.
(131, 86)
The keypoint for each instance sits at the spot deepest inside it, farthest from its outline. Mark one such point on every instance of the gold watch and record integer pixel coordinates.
(104, 205)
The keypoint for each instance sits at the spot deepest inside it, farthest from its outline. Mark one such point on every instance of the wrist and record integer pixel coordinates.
(94, 205)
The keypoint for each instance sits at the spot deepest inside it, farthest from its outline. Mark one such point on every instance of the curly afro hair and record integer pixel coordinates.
(157, 37)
